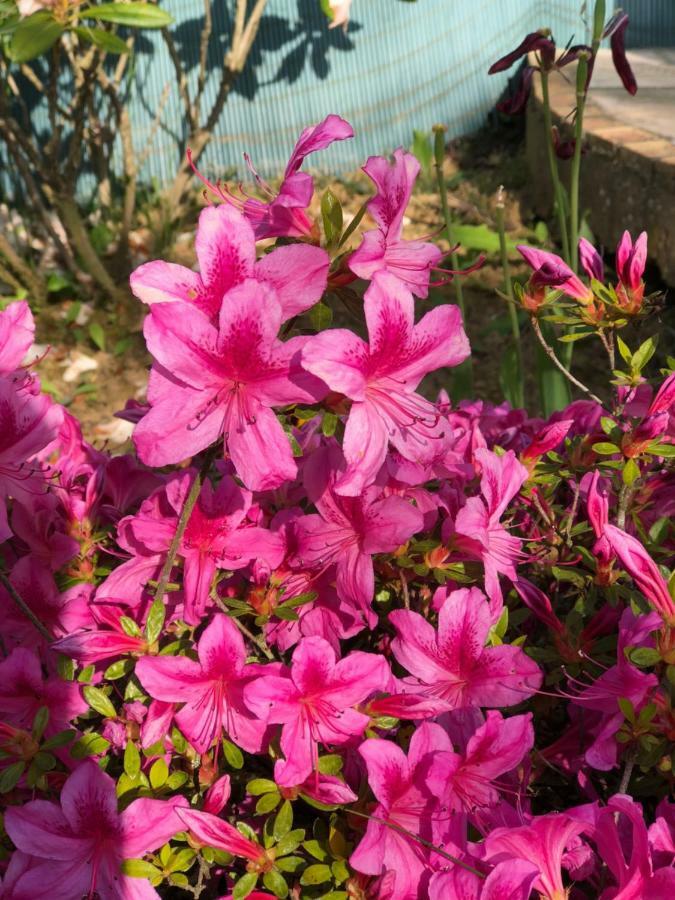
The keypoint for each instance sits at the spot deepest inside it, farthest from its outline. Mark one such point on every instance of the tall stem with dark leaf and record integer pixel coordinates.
(558, 190)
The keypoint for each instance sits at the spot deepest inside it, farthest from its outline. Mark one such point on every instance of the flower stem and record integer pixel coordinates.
(556, 362)
(463, 374)
(558, 193)
(415, 837)
(183, 520)
(517, 398)
(582, 76)
(24, 607)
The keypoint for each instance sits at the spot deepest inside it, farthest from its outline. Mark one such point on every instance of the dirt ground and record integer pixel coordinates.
(94, 382)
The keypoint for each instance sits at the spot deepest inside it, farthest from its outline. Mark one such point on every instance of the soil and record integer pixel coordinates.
(474, 169)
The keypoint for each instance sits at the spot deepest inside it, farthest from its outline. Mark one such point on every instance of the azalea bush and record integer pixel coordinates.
(323, 636)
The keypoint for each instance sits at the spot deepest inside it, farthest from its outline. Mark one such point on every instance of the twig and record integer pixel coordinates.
(572, 516)
(260, 644)
(183, 520)
(420, 840)
(628, 770)
(404, 589)
(181, 78)
(203, 58)
(23, 606)
(625, 495)
(556, 362)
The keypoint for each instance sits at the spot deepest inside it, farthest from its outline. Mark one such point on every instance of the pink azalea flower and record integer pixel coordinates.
(349, 530)
(631, 259)
(453, 663)
(108, 640)
(315, 701)
(210, 382)
(591, 260)
(643, 570)
(383, 249)
(211, 688)
(284, 214)
(510, 880)
(399, 783)
(551, 271)
(17, 332)
(212, 831)
(226, 251)
(326, 789)
(465, 780)
(24, 690)
(542, 843)
(28, 423)
(217, 535)
(79, 845)
(478, 532)
(380, 378)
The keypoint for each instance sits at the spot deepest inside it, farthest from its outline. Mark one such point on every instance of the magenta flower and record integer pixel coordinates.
(28, 423)
(17, 332)
(399, 783)
(79, 846)
(465, 780)
(383, 249)
(535, 42)
(551, 271)
(510, 880)
(327, 789)
(209, 382)
(217, 535)
(315, 702)
(453, 663)
(211, 688)
(226, 251)
(542, 843)
(380, 378)
(478, 532)
(24, 690)
(212, 831)
(284, 214)
(631, 259)
(107, 641)
(349, 530)
(591, 260)
(643, 570)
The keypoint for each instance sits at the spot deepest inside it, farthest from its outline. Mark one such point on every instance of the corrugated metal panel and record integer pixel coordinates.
(401, 66)
(652, 23)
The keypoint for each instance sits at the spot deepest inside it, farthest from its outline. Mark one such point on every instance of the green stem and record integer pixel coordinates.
(518, 395)
(553, 166)
(575, 172)
(463, 375)
(185, 514)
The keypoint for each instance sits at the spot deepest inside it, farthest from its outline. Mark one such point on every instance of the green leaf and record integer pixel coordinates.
(643, 354)
(315, 849)
(274, 881)
(329, 424)
(129, 626)
(423, 150)
(316, 874)
(59, 740)
(644, 656)
(105, 40)
(140, 868)
(480, 237)
(267, 803)
(40, 722)
(331, 213)
(331, 764)
(99, 701)
(97, 334)
(233, 754)
(626, 708)
(285, 613)
(353, 225)
(260, 786)
(624, 350)
(290, 863)
(119, 669)
(33, 36)
(155, 622)
(320, 316)
(159, 772)
(9, 777)
(57, 282)
(244, 886)
(631, 472)
(181, 860)
(133, 15)
(290, 841)
(89, 745)
(575, 336)
(605, 448)
(665, 450)
(132, 760)
(283, 821)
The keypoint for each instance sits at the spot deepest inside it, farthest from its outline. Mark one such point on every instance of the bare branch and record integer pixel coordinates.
(181, 78)
(203, 58)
